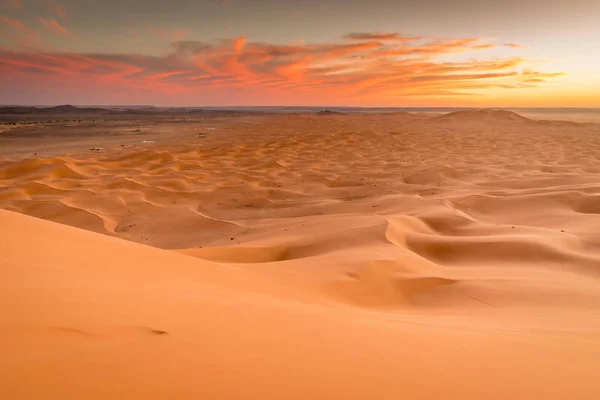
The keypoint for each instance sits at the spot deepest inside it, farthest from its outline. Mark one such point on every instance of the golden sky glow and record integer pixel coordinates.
(44, 60)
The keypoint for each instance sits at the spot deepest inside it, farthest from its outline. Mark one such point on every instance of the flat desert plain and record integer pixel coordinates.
(396, 256)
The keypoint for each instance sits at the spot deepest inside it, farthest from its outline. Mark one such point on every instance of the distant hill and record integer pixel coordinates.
(328, 112)
(13, 114)
(64, 109)
(481, 116)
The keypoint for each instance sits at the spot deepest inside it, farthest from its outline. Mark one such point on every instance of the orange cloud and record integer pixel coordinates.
(298, 42)
(53, 25)
(362, 72)
(438, 47)
(238, 44)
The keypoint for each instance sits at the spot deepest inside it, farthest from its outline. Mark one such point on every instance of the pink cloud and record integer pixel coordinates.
(179, 35)
(20, 33)
(15, 24)
(53, 25)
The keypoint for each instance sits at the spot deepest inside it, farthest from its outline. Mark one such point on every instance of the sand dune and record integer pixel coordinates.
(333, 256)
(90, 316)
(482, 116)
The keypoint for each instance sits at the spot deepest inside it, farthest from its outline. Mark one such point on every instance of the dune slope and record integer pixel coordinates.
(85, 315)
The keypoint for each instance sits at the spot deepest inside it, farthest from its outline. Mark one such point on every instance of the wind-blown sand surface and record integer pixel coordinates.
(306, 257)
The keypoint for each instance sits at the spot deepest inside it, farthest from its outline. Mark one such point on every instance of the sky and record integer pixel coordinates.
(402, 53)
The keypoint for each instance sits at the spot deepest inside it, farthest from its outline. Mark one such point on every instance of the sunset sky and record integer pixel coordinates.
(481, 53)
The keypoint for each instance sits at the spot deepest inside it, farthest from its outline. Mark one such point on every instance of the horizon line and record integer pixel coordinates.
(296, 106)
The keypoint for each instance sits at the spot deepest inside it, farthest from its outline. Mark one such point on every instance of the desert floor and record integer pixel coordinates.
(301, 257)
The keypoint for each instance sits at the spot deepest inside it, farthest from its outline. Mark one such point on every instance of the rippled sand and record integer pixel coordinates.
(295, 256)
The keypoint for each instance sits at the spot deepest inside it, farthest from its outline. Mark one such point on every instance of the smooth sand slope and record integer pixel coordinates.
(295, 257)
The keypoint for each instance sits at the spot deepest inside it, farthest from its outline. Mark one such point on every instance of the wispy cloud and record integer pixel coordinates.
(15, 24)
(382, 36)
(515, 46)
(20, 33)
(53, 25)
(366, 69)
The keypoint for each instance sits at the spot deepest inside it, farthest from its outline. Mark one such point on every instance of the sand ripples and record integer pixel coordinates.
(355, 195)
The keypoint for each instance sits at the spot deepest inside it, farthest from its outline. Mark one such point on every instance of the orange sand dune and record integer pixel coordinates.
(88, 316)
(334, 256)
